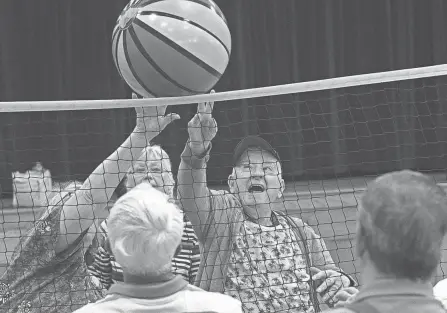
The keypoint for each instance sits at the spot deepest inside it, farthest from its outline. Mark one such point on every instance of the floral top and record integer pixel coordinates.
(39, 280)
(267, 271)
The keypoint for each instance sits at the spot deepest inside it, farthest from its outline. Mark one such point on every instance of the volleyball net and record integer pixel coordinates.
(332, 135)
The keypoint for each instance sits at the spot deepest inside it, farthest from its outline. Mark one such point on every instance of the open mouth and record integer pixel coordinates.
(255, 188)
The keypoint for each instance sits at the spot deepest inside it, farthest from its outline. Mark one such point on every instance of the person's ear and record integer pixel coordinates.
(281, 188)
(232, 182)
(361, 239)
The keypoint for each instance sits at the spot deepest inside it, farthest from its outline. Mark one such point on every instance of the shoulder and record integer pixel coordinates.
(340, 310)
(300, 227)
(111, 303)
(224, 200)
(294, 221)
(89, 308)
(203, 301)
(225, 197)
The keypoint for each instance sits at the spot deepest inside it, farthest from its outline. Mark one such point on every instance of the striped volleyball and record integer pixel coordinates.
(168, 48)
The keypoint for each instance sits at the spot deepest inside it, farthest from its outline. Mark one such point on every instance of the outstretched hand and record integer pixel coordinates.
(202, 128)
(153, 119)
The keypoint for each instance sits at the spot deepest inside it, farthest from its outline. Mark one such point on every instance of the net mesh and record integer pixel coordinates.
(331, 143)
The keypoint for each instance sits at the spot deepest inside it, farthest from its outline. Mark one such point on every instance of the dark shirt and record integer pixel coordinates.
(395, 296)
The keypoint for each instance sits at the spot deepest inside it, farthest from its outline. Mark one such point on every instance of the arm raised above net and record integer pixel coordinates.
(193, 191)
(192, 188)
(78, 211)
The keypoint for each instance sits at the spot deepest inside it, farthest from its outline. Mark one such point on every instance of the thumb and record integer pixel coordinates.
(168, 118)
(139, 111)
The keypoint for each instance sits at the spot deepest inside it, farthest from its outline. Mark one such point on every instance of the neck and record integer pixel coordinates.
(146, 279)
(370, 274)
(260, 214)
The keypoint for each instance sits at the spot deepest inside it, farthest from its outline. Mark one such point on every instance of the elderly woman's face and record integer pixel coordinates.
(155, 171)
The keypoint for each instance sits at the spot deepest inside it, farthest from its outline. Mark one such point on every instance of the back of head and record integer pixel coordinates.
(144, 230)
(402, 222)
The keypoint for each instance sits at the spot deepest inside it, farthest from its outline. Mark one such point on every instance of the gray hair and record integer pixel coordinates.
(144, 230)
(154, 152)
(401, 224)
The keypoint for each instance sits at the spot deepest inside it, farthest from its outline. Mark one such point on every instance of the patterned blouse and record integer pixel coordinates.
(267, 271)
(40, 281)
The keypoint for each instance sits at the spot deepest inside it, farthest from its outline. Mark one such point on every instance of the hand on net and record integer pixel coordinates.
(153, 119)
(202, 128)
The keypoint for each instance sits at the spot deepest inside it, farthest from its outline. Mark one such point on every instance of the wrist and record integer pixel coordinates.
(143, 135)
(199, 149)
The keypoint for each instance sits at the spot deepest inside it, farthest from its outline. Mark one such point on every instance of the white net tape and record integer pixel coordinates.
(324, 84)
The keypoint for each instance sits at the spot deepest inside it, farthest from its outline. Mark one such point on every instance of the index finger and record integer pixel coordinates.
(201, 107)
(321, 275)
(210, 105)
(161, 109)
(206, 107)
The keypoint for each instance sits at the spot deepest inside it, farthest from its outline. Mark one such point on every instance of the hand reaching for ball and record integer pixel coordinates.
(153, 119)
(202, 128)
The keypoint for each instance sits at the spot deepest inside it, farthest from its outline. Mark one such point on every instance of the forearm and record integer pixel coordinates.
(107, 176)
(80, 210)
(103, 181)
(193, 192)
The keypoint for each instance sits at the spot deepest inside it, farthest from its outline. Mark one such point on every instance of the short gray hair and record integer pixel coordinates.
(144, 230)
(401, 224)
(155, 152)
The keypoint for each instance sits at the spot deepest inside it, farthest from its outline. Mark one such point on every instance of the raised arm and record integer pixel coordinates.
(193, 191)
(79, 210)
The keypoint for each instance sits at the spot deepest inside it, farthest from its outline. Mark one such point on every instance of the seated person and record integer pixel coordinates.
(47, 272)
(145, 229)
(152, 166)
(402, 221)
(268, 260)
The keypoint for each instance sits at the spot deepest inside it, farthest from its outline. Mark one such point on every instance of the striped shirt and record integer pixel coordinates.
(185, 262)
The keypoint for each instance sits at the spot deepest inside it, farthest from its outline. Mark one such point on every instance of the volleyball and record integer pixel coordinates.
(169, 48)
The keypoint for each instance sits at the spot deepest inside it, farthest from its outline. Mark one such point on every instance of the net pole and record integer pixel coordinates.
(324, 84)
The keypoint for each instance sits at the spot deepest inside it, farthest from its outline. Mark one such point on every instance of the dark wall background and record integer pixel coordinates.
(58, 50)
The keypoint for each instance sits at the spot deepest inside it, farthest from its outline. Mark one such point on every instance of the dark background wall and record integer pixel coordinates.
(59, 50)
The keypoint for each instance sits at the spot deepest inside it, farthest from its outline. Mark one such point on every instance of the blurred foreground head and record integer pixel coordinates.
(145, 229)
(401, 224)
